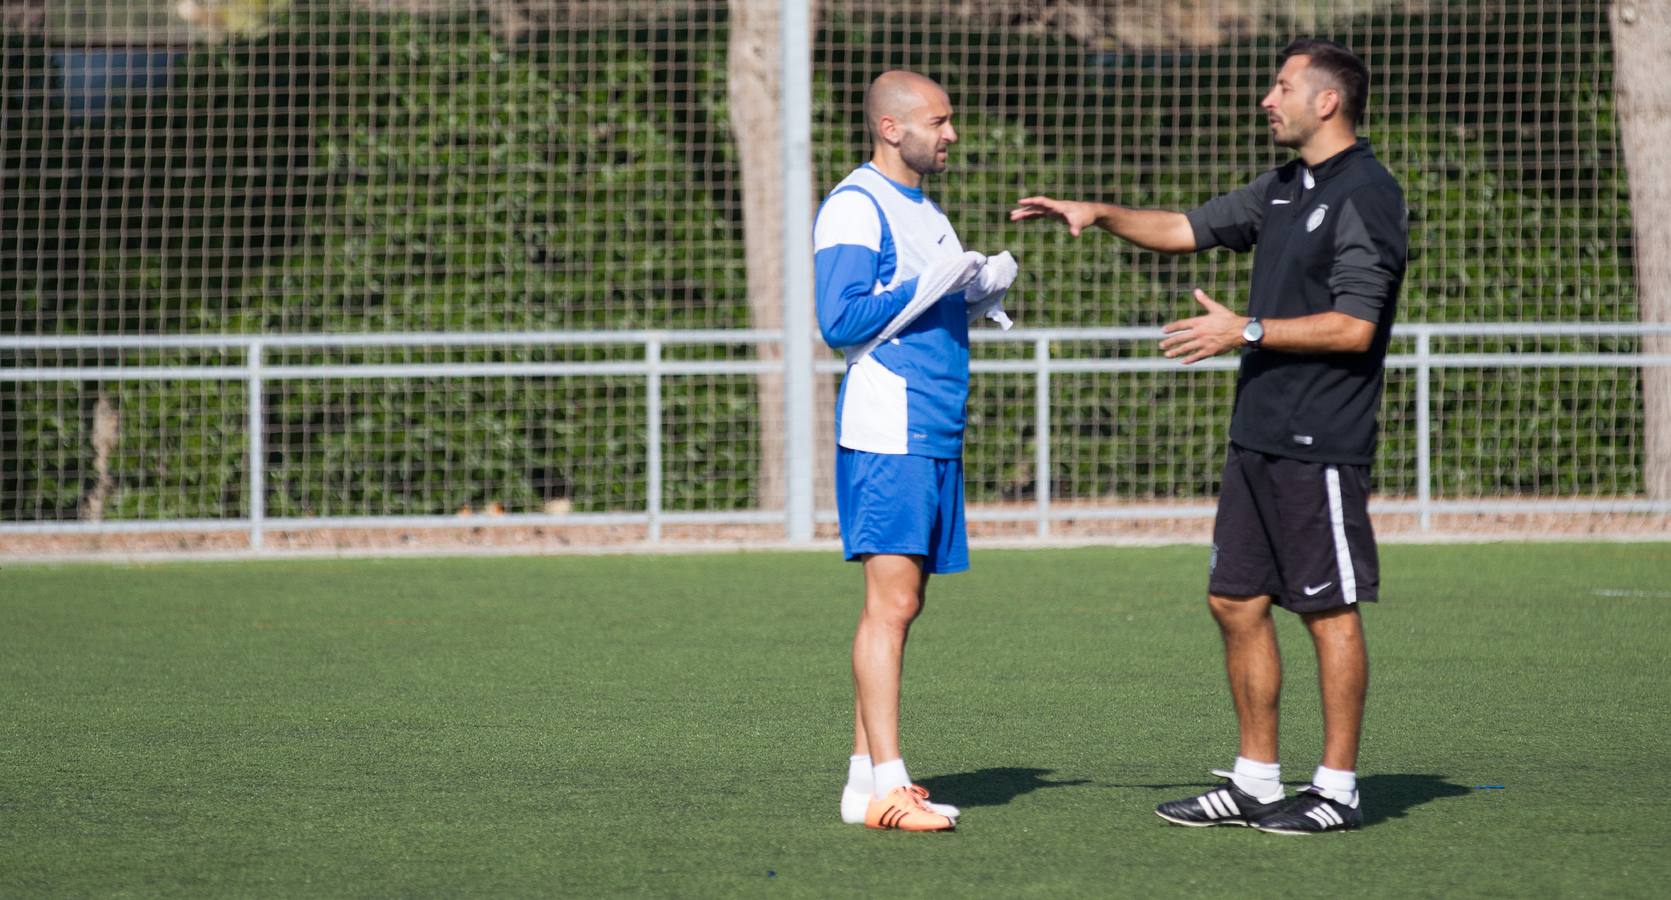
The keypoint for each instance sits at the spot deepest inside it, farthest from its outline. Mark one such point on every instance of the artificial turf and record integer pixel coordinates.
(679, 725)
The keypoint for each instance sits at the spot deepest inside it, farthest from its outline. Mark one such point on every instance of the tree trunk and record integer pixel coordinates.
(754, 75)
(107, 431)
(754, 84)
(1641, 44)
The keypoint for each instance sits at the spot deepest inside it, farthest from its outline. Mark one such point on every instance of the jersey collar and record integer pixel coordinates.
(1337, 163)
(914, 194)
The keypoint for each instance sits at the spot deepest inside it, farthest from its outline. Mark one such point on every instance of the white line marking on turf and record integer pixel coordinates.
(1628, 592)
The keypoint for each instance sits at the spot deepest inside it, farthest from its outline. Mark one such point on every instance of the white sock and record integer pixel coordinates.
(1262, 780)
(889, 775)
(1337, 785)
(859, 779)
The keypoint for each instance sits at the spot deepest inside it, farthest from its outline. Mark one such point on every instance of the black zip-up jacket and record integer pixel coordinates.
(1329, 237)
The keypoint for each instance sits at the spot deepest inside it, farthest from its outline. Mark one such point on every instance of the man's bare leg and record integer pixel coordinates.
(895, 589)
(1343, 676)
(1331, 803)
(1254, 665)
(861, 747)
(1255, 670)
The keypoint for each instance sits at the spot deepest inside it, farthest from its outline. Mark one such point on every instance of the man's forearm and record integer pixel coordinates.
(1162, 230)
(1330, 332)
(1221, 330)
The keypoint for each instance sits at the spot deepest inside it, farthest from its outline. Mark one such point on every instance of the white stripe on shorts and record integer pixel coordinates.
(1342, 551)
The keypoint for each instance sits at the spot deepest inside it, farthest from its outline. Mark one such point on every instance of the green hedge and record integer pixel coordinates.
(371, 174)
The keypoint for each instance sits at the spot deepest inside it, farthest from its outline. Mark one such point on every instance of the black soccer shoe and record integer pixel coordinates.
(1228, 805)
(1312, 813)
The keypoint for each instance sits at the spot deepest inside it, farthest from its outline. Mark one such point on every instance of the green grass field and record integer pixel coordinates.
(678, 726)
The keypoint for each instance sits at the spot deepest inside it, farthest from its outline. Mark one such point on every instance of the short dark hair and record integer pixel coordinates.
(1347, 70)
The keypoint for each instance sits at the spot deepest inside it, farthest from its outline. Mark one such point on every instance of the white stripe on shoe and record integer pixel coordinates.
(1229, 800)
(1325, 816)
(1218, 805)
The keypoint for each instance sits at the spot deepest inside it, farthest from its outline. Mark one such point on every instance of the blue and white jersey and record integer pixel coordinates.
(872, 238)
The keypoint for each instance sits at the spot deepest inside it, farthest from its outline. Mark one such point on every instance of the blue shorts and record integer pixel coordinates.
(909, 505)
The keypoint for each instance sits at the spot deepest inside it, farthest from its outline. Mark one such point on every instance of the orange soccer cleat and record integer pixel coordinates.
(907, 809)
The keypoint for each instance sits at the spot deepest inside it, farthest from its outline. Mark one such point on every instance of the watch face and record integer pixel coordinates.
(1254, 332)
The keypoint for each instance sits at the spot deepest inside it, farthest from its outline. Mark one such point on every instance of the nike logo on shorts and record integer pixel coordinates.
(1314, 591)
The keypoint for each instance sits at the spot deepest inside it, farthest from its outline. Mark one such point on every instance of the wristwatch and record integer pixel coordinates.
(1253, 332)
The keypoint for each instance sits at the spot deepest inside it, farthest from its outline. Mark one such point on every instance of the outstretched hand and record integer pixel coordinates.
(1078, 215)
(1200, 337)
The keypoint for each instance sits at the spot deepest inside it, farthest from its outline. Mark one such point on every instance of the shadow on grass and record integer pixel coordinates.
(1391, 796)
(991, 787)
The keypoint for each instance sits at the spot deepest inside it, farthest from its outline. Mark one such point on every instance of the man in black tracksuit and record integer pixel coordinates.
(1329, 231)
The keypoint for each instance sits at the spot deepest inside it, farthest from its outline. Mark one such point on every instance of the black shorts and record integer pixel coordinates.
(1296, 530)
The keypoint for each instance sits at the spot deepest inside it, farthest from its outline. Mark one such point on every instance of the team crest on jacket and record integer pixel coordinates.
(1316, 217)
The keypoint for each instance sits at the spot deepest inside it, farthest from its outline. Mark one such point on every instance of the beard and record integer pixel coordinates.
(1291, 135)
(1294, 131)
(922, 156)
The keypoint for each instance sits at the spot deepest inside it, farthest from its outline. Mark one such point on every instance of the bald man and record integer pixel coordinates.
(896, 293)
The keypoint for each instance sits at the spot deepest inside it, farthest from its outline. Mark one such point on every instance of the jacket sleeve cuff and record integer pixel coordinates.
(1359, 307)
(1204, 238)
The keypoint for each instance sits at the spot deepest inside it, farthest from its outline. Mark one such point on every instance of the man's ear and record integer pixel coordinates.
(887, 128)
(1328, 103)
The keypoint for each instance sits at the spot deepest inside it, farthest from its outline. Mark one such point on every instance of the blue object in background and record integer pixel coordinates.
(92, 77)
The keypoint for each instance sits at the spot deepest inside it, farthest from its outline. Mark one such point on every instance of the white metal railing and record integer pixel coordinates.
(256, 370)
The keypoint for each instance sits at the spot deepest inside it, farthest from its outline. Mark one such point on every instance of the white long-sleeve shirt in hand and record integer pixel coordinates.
(986, 296)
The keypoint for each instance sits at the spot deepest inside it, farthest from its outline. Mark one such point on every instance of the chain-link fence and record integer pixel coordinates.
(361, 262)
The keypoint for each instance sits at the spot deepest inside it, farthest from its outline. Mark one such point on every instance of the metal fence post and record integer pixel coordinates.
(652, 417)
(795, 31)
(1424, 429)
(1041, 434)
(1041, 475)
(257, 449)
